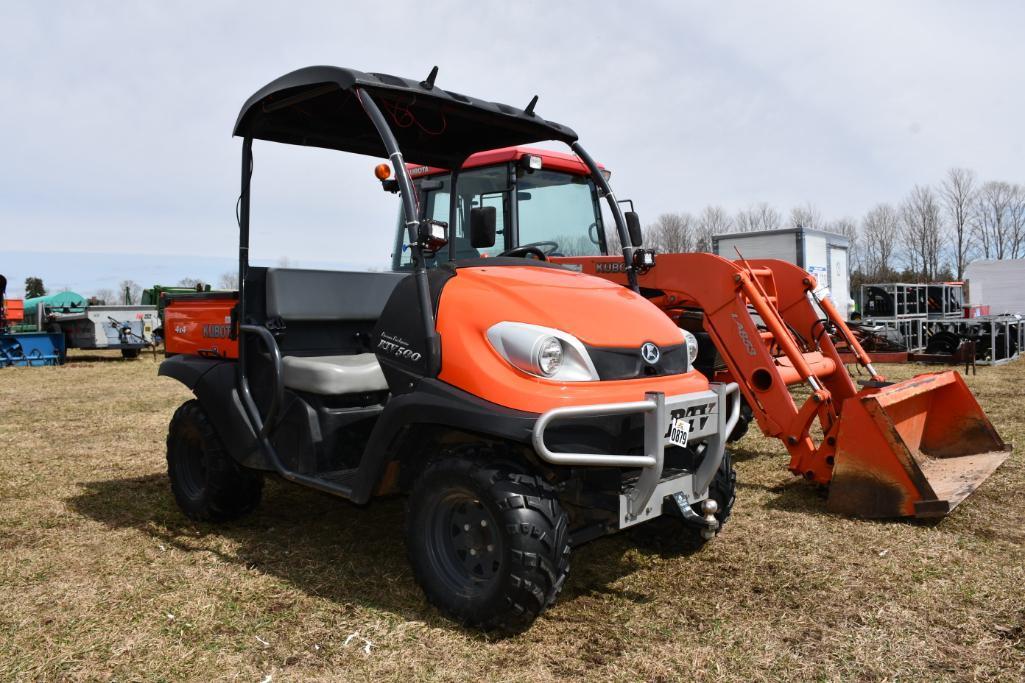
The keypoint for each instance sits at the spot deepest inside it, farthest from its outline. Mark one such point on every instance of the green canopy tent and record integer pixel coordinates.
(64, 302)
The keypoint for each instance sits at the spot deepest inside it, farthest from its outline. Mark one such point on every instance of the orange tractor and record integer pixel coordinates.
(913, 448)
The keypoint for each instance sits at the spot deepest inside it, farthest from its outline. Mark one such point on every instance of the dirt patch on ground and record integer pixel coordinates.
(102, 578)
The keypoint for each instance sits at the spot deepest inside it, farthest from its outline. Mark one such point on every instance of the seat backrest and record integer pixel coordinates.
(320, 295)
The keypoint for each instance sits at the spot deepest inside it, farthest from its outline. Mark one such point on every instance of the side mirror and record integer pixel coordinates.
(483, 220)
(633, 227)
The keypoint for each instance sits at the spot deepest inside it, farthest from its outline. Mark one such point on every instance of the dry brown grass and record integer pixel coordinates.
(101, 577)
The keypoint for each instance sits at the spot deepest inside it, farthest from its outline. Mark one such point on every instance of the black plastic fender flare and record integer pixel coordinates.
(214, 382)
(435, 403)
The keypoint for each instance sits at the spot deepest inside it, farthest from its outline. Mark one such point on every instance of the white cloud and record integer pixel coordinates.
(116, 126)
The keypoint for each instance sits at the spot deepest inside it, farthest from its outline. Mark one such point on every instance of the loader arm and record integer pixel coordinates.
(893, 455)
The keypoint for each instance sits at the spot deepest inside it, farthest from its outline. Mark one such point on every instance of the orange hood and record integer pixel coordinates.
(595, 311)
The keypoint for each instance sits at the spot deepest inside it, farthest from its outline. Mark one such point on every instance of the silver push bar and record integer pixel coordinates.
(698, 408)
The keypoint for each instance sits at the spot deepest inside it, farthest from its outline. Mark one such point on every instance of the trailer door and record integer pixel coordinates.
(839, 284)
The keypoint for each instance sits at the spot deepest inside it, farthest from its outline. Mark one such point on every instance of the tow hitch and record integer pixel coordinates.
(708, 506)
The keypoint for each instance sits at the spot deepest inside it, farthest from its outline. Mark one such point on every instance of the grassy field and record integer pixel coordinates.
(102, 578)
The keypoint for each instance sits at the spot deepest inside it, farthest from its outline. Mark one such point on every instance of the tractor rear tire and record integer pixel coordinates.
(488, 542)
(208, 485)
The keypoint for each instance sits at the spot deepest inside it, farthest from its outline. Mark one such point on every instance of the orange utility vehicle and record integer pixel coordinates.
(912, 448)
(524, 406)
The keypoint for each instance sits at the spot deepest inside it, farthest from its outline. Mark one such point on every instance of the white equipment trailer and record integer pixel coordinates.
(997, 284)
(821, 253)
(127, 328)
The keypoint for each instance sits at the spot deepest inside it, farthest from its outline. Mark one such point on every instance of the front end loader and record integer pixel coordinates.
(915, 448)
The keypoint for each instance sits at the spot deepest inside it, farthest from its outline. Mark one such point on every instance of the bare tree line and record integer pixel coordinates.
(932, 234)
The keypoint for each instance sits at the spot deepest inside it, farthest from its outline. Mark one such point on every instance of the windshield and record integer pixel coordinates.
(556, 210)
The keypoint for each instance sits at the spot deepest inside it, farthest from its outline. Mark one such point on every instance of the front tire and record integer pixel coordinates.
(488, 543)
(208, 485)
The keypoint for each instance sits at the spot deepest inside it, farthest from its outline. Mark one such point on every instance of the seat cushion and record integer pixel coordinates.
(333, 375)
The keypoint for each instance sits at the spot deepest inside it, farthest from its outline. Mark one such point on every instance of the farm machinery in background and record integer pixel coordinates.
(933, 324)
(80, 324)
(912, 448)
(128, 329)
(20, 347)
(39, 330)
(161, 295)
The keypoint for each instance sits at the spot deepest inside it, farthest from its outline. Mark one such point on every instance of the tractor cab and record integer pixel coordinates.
(522, 405)
(542, 198)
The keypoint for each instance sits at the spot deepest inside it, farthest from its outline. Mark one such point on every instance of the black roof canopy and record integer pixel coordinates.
(317, 106)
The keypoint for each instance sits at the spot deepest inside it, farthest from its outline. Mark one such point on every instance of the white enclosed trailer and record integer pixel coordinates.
(997, 284)
(823, 254)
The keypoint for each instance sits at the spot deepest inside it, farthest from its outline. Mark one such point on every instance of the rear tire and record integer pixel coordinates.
(208, 485)
(488, 543)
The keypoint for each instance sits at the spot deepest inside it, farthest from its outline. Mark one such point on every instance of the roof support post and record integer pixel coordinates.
(411, 214)
(453, 211)
(617, 213)
(243, 226)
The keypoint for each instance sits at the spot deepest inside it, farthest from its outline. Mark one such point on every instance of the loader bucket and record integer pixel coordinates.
(914, 448)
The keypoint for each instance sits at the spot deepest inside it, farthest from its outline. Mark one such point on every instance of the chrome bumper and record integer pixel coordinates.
(711, 414)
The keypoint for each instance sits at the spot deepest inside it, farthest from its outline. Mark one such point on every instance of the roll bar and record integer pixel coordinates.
(411, 218)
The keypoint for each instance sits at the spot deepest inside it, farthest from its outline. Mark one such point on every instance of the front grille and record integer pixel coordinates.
(627, 363)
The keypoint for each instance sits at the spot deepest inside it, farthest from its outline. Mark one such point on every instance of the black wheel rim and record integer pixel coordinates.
(465, 542)
(190, 466)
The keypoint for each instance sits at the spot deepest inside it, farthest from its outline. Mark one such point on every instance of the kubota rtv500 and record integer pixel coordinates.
(524, 406)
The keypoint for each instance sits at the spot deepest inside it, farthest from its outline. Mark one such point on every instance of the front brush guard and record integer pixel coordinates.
(709, 420)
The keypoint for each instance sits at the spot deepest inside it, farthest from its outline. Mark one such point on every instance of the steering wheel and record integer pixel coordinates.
(534, 249)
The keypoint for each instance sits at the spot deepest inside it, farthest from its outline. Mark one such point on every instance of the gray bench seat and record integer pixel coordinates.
(320, 298)
(333, 375)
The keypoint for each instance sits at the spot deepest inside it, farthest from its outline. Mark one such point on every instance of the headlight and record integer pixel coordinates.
(549, 356)
(543, 351)
(692, 346)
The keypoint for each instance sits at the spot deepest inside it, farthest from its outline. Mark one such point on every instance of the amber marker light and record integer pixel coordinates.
(382, 171)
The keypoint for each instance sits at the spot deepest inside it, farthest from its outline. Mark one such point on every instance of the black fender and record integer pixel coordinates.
(435, 403)
(214, 381)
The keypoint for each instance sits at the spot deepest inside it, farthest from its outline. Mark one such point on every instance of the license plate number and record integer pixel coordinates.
(679, 430)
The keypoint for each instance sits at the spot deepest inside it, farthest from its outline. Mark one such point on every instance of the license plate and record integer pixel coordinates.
(679, 430)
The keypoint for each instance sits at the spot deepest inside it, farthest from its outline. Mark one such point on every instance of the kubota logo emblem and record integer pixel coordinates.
(650, 353)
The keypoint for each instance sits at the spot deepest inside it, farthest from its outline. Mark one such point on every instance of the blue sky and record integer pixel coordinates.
(115, 130)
